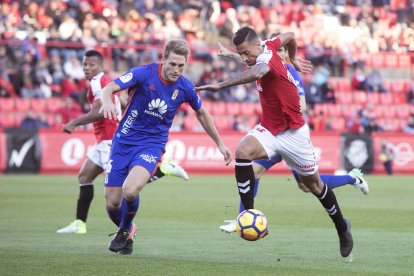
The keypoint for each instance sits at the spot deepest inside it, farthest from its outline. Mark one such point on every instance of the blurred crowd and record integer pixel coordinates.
(42, 41)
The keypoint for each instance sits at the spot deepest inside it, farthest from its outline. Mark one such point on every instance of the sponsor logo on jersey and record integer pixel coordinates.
(149, 158)
(126, 78)
(129, 121)
(175, 94)
(152, 87)
(156, 105)
(259, 86)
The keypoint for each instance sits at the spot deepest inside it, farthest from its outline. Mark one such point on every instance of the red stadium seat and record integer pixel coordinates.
(53, 104)
(403, 111)
(360, 97)
(379, 111)
(398, 87)
(334, 110)
(386, 98)
(373, 98)
(22, 104)
(344, 97)
(400, 98)
(233, 108)
(377, 60)
(218, 108)
(391, 60)
(388, 111)
(207, 105)
(38, 105)
(349, 110)
(404, 60)
(190, 121)
(7, 119)
(223, 122)
(7, 104)
(344, 84)
(338, 124)
(247, 108)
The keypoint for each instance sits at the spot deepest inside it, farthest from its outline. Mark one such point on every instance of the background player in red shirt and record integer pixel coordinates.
(104, 130)
(282, 129)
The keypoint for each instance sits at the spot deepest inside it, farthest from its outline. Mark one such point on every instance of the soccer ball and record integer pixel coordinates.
(251, 225)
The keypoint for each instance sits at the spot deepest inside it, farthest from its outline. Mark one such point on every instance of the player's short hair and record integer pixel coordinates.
(244, 34)
(94, 53)
(177, 46)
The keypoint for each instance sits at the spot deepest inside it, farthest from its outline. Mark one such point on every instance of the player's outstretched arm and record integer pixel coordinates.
(108, 108)
(207, 122)
(255, 73)
(92, 116)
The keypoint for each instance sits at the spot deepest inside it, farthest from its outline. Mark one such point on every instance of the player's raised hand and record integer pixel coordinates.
(109, 111)
(226, 153)
(306, 65)
(214, 87)
(223, 51)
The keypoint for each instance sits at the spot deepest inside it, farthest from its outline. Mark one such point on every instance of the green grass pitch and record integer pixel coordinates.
(178, 229)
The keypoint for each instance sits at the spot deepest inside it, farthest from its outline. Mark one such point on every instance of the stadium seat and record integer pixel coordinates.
(373, 98)
(388, 111)
(218, 108)
(207, 105)
(233, 108)
(247, 108)
(344, 97)
(338, 124)
(386, 98)
(223, 122)
(38, 105)
(7, 104)
(377, 60)
(360, 97)
(349, 110)
(190, 121)
(391, 60)
(344, 84)
(19, 116)
(334, 110)
(404, 60)
(397, 87)
(7, 119)
(400, 98)
(22, 104)
(402, 111)
(53, 104)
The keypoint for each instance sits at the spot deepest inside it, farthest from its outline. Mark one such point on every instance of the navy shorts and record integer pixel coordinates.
(124, 157)
(268, 163)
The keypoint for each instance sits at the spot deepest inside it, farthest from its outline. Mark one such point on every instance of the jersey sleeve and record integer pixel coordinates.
(297, 78)
(132, 77)
(270, 48)
(96, 87)
(193, 98)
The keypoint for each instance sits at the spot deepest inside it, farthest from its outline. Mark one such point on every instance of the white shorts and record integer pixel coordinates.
(294, 145)
(99, 154)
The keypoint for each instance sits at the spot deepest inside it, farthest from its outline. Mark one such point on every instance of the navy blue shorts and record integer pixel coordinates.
(267, 164)
(124, 157)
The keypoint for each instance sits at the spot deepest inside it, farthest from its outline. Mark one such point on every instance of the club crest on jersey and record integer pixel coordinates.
(174, 95)
(126, 78)
(259, 86)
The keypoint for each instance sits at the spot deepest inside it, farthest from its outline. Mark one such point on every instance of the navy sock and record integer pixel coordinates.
(256, 186)
(116, 214)
(128, 213)
(334, 181)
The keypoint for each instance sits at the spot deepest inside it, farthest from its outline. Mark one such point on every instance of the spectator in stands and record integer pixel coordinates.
(241, 123)
(374, 82)
(387, 155)
(410, 94)
(73, 67)
(33, 122)
(372, 127)
(69, 110)
(409, 128)
(359, 79)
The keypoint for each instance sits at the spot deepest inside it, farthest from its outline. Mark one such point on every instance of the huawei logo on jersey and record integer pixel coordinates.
(156, 105)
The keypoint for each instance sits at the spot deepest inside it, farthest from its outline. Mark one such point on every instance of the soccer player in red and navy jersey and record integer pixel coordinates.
(282, 129)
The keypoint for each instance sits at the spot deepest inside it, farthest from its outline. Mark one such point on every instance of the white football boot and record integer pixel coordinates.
(230, 227)
(360, 182)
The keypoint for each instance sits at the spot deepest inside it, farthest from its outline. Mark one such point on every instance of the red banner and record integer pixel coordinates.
(3, 151)
(404, 150)
(63, 152)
